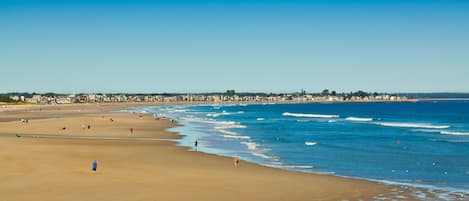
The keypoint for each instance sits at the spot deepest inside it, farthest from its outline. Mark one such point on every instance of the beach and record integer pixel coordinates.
(51, 157)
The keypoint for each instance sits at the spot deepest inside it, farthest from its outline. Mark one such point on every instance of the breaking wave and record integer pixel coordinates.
(310, 115)
(453, 133)
(411, 125)
(311, 143)
(237, 137)
(358, 119)
(250, 145)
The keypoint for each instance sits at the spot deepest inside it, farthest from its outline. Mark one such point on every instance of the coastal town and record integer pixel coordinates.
(228, 96)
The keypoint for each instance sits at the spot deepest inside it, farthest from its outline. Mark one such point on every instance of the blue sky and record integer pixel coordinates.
(205, 46)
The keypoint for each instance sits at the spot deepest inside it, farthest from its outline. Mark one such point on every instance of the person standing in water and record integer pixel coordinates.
(94, 165)
(195, 144)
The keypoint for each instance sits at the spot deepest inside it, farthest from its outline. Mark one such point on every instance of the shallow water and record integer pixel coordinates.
(422, 144)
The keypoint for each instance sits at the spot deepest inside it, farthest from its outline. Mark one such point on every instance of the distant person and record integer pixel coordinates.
(64, 128)
(131, 130)
(89, 126)
(18, 135)
(195, 144)
(236, 161)
(94, 166)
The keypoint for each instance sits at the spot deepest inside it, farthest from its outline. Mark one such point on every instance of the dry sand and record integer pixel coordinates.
(132, 167)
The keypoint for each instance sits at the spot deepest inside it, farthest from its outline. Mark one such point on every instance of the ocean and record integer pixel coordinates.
(420, 144)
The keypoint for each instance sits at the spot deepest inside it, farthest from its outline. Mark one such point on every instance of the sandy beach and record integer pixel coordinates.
(51, 159)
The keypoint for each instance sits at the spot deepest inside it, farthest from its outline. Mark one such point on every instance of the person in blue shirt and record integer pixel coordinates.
(94, 165)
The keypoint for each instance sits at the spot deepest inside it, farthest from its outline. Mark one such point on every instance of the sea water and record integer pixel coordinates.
(412, 143)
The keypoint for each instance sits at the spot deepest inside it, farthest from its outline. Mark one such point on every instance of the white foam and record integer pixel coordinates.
(210, 121)
(213, 114)
(310, 115)
(358, 119)
(300, 166)
(224, 113)
(227, 132)
(453, 133)
(236, 136)
(411, 125)
(262, 155)
(426, 130)
(230, 126)
(260, 119)
(250, 145)
(311, 143)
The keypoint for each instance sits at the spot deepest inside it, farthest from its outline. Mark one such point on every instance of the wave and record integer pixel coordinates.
(210, 121)
(411, 125)
(262, 155)
(260, 119)
(453, 133)
(300, 166)
(310, 115)
(237, 137)
(213, 114)
(230, 126)
(226, 132)
(223, 113)
(443, 132)
(311, 143)
(358, 119)
(250, 145)
(426, 130)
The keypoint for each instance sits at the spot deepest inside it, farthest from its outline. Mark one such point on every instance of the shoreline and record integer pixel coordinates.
(431, 189)
(333, 182)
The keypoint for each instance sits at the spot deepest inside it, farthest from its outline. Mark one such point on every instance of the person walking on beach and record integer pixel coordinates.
(236, 161)
(94, 166)
(195, 144)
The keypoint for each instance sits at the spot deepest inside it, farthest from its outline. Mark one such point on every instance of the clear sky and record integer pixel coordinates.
(205, 46)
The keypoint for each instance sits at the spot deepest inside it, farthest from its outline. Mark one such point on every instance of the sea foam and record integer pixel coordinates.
(236, 136)
(453, 133)
(250, 145)
(223, 113)
(358, 119)
(311, 143)
(299, 166)
(310, 115)
(411, 125)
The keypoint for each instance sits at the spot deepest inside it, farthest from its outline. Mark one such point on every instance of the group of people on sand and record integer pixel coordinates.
(24, 121)
(94, 164)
